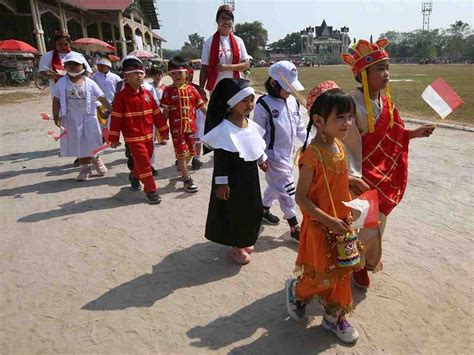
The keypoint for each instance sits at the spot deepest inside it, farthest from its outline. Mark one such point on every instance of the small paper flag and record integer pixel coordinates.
(442, 98)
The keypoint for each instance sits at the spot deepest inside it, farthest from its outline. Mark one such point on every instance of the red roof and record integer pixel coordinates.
(100, 4)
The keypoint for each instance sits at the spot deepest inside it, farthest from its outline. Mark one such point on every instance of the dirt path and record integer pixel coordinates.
(91, 268)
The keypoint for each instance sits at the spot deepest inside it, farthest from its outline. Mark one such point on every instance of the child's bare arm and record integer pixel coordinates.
(421, 132)
(304, 183)
(106, 103)
(56, 106)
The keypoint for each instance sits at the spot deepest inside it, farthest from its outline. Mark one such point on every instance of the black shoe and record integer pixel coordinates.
(189, 185)
(130, 163)
(76, 163)
(154, 171)
(196, 164)
(270, 218)
(134, 183)
(128, 153)
(295, 235)
(153, 198)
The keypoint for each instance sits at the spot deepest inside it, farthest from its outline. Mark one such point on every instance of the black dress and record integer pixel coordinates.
(236, 221)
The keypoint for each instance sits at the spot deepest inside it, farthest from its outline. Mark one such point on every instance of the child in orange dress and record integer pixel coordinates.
(322, 186)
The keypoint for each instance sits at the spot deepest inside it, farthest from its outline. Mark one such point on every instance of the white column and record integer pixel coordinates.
(83, 25)
(38, 31)
(123, 42)
(134, 42)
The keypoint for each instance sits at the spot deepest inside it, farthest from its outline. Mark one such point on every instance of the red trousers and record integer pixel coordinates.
(141, 153)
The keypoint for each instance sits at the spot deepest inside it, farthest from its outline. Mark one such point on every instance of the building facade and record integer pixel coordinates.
(324, 44)
(125, 24)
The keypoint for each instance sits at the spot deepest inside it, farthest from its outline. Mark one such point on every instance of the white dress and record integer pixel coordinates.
(84, 132)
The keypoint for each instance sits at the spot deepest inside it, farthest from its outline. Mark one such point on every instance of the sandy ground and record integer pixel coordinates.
(91, 268)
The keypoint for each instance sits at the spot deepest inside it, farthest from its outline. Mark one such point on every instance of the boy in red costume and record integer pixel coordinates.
(180, 102)
(135, 111)
(377, 144)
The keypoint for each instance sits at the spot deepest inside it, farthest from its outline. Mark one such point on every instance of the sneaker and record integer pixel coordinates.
(295, 308)
(361, 279)
(154, 171)
(189, 185)
(196, 164)
(342, 328)
(153, 198)
(84, 173)
(100, 166)
(249, 249)
(239, 255)
(76, 163)
(270, 218)
(134, 182)
(295, 234)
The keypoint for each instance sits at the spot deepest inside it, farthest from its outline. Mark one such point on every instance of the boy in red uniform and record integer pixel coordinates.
(377, 144)
(134, 114)
(180, 102)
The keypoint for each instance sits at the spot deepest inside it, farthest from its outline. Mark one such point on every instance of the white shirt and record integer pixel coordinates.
(46, 64)
(107, 82)
(225, 54)
(286, 123)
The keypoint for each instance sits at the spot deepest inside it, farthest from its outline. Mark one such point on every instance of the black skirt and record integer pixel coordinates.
(236, 221)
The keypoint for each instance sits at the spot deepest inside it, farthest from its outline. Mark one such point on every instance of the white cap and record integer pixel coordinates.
(285, 72)
(75, 57)
(129, 57)
(104, 61)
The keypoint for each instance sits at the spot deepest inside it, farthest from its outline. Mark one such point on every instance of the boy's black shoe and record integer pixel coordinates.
(154, 171)
(295, 235)
(270, 218)
(153, 198)
(76, 163)
(130, 163)
(196, 164)
(134, 183)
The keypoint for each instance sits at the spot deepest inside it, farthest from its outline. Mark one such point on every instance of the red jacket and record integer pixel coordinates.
(134, 114)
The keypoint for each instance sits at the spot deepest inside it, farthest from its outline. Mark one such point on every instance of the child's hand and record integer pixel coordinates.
(223, 192)
(337, 226)
(114, 144)
(58, 121)
(222, 67)
(422, 131)
(263, 166)
(358, 185)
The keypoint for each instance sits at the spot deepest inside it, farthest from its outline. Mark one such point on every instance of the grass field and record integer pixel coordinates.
(406, 94)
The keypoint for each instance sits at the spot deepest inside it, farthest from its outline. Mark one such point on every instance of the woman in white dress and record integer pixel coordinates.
(74, 111)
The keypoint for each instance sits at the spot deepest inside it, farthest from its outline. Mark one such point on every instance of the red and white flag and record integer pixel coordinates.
(441, 97)
(44, 116)
(368, 206)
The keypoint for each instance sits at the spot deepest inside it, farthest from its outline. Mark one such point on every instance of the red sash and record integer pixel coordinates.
(214, 59)
(56, 63)
(385, 159)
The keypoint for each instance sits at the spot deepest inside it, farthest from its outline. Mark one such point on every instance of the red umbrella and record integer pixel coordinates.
(12, 45)
(142, 54)
(113, 58)
(93, 45)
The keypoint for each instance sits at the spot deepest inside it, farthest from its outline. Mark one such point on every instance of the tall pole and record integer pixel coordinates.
(426, 8)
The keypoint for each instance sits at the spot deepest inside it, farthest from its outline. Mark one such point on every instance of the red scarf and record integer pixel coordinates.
(214, 59)
(385, 159)
(56, 63)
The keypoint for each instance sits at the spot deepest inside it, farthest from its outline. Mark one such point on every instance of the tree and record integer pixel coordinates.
(255, 37)
(457, 33)
(193, 47)
(291, 44)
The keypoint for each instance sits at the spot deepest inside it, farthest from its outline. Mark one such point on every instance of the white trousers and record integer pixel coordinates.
(281, 187)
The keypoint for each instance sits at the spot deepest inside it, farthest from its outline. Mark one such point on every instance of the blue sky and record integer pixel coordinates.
(364, 17)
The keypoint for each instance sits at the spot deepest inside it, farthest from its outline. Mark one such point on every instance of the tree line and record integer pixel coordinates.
(454, 44)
